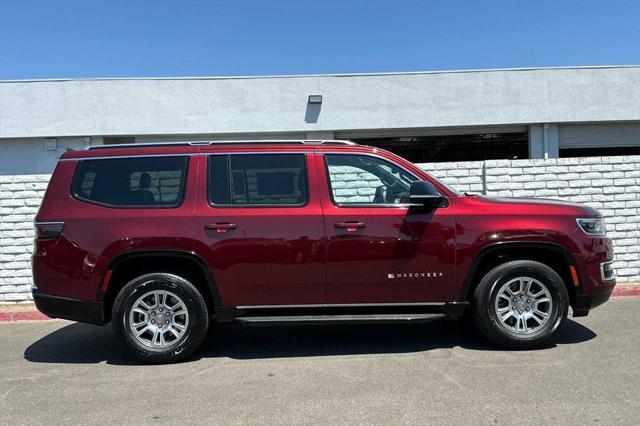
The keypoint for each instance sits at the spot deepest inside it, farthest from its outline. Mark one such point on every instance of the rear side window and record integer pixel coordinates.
(258, 179)
(131, 182)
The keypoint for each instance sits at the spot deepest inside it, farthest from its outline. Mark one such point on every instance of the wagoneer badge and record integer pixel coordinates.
(415, 275)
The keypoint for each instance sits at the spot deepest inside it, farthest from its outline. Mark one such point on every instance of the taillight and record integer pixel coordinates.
(48, 229)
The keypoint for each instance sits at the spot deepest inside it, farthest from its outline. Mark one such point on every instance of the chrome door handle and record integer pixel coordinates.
(349, 226)
(220, 227)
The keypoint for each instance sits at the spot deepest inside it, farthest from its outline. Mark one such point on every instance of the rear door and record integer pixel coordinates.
(259, 227)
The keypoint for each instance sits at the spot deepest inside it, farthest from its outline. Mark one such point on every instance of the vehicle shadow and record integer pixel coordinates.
(86, 344)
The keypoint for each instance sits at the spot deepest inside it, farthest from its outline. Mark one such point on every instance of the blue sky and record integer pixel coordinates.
(116, 38)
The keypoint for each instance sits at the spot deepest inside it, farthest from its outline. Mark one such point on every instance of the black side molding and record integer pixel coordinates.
(545, 245)
(66, 308)
(585, 302)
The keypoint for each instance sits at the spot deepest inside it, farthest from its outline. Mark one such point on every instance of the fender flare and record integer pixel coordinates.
(501, 245)
(189, 255)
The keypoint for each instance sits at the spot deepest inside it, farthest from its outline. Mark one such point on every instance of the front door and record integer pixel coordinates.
(379, 250)
(259, 227)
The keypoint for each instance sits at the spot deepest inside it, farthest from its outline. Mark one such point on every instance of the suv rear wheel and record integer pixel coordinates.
(520, 304)
(160, 317)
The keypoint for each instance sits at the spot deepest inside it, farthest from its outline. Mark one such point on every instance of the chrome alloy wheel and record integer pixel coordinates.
(158, 319)
(523, 305)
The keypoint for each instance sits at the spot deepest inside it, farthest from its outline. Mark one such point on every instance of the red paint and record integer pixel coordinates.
(22, 316)
(275, 255)
(627, 291)
(317, 253)
(391, 240)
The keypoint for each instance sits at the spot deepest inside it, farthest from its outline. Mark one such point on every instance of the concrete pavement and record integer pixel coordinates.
(61, 372)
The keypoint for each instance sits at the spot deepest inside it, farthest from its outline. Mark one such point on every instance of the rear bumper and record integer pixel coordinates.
(71, 309)
(585, 302)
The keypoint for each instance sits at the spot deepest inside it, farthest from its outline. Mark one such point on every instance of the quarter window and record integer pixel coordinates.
(258, 179)
(131, 182)
(362, 179)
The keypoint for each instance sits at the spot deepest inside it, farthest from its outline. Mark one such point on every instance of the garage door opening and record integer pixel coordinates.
(471, 147)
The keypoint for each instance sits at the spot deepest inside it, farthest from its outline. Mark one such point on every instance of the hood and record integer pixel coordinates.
(523, 201)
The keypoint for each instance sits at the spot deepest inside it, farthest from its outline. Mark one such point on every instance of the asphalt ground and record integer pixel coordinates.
(59, 372)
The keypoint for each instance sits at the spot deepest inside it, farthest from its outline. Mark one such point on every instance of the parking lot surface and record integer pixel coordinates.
(61, 372)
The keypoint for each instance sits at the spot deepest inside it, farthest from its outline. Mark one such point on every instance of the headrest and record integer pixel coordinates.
(145, 181)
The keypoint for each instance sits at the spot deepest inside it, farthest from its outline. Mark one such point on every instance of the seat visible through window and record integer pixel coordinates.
(131, 182)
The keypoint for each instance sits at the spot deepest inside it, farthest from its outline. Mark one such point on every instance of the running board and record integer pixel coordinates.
(336, 319)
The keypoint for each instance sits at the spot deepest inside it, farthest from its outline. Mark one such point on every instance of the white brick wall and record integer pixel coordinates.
(352, 185)
(610, 184)
(20, 196)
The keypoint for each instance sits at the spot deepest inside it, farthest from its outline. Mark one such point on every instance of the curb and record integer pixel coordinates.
(621, 291)
(23, 316)
(626, 291)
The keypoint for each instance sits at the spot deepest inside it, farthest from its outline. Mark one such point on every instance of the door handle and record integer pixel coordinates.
(220, 227)
(350, 226)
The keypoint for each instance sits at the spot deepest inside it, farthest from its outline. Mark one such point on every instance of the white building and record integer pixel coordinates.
(479, 130)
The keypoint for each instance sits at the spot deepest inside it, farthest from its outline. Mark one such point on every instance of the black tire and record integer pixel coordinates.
(486, 317)
(195, 330)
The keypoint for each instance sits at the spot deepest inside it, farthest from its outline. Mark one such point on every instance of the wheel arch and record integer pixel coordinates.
(126, 266)
(553, 255)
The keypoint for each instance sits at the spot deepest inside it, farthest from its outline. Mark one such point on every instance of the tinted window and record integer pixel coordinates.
(131, 182)
(261, 179)
(362, 179)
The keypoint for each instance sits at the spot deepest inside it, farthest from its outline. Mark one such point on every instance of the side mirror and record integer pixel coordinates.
(424, 193)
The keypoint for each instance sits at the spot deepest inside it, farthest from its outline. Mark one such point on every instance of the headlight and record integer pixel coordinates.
(593, 225)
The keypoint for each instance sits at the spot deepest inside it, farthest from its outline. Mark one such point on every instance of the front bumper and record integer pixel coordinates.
(585, 302)
(71, 309)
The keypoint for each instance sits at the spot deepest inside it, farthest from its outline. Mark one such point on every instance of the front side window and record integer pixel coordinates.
(362, 179)
(258, 180)
(131, 182)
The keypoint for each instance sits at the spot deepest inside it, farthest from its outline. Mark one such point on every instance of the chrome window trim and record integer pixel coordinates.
(213, 205)
(179, 202)
(365, 205)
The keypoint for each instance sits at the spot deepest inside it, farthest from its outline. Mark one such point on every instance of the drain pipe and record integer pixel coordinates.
(484, 177)
(545, 127)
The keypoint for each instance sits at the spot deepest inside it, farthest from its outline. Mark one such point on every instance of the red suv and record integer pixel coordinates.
(162, 239)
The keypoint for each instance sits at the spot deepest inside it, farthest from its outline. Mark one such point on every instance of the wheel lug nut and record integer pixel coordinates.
(515, 300)
(528, 309)
(167, 322)
(153, 321)
(528, 300)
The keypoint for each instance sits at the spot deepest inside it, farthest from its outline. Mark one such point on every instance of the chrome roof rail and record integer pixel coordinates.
(225, 142)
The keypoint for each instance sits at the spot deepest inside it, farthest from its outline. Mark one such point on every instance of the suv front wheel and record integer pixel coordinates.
(160, 317)
(520, 304)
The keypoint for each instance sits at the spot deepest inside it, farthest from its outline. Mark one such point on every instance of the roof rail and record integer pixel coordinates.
(225, 142)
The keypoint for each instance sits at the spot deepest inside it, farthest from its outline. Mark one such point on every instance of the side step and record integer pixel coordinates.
(336, 319)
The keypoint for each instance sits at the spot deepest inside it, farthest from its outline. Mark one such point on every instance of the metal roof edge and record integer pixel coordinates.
(339, 75)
